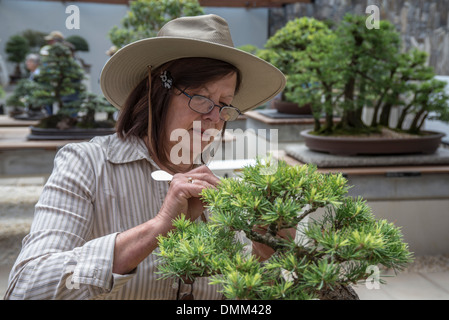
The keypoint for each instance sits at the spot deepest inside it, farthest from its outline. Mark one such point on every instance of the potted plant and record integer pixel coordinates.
(330, 253)
(16, 49)
(21, 99)
(36, 39)
(59, 85)
(366, 69)
(287, 49)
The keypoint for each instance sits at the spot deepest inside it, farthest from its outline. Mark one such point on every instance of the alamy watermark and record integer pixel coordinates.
(73, 20)
(373, 280)
(206, 145)
(372, 22)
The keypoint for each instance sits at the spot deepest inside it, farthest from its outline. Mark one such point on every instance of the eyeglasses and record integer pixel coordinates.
(205, 105)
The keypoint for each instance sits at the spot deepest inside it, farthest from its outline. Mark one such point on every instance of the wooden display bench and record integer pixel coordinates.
(20, 157)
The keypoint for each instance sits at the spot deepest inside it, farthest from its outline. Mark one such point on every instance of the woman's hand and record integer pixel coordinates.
(183, 196)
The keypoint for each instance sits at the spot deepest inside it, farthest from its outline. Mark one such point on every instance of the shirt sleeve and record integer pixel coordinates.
(59, 259)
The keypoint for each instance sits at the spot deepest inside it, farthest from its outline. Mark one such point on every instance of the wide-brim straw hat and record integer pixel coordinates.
(187, 37)
(54, 35)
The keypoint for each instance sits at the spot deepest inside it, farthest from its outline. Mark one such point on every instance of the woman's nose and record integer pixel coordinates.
(213, 115)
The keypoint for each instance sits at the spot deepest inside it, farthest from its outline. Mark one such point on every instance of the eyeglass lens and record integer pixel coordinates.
(204, 105)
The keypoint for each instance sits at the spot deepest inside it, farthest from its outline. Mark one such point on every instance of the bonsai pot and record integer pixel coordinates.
(67, 134)
(291, 107)
(427, 143)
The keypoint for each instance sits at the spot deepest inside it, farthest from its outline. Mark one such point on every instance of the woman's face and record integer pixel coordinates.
(189, 132)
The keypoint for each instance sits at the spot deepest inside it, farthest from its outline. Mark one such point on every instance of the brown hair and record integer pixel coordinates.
(186, 73)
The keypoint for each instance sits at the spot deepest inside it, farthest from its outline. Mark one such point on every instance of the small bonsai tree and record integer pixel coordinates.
(17, 47)
(60, 80)
(79, 43)
(22, 99)
(331, 252)
(145, 18)
(36, 39)
(91, 104)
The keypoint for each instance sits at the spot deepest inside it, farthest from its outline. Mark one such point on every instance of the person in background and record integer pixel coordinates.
(32, 62)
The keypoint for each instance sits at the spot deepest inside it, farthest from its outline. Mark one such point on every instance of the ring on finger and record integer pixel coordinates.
(190, 180)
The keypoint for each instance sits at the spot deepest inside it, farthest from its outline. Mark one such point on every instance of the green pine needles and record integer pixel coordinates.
(337, 242)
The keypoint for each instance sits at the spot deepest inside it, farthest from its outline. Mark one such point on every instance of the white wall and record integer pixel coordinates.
(247, 26)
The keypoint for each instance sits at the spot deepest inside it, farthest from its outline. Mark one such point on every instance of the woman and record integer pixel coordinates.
(97, 220)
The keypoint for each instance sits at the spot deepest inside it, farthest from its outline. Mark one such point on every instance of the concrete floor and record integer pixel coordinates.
(410, 286)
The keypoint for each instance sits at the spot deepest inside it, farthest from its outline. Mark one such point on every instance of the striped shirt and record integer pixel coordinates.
(97, 189)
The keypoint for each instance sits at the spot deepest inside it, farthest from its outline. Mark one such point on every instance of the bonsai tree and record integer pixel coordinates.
(16, 49)
(145, 18)
(22, 99)
(36, 39)
(355, 68)
(286, 49)
(79, 43)
(332, 251)
(60, 80)
(91, 104)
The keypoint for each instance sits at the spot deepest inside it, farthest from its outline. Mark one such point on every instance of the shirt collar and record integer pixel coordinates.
(128, 150)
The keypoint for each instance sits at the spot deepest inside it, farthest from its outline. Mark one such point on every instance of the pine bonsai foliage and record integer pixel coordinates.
(333, 248)
(146, 17)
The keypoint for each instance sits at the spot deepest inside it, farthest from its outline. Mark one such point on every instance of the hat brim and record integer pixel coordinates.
(260, 82)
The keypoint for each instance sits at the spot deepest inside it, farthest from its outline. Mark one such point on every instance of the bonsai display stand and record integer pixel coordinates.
(325, 160)
(288, 126)
(20, 157)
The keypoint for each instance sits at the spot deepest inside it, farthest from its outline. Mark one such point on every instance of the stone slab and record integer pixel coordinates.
(273, 113)
(324, 160)
(285, 129)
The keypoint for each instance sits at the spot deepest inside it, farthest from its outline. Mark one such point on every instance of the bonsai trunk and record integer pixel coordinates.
(385, 115)
(379, 103)
(316, 124)
(402, 116)
(416, 123)
(329, 122)
(328, 110)
(352, 120)
(17, 71)
(377, 108)
(339, 293)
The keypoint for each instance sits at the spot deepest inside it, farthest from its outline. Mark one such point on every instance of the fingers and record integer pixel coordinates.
(196, 179)
(204, 173)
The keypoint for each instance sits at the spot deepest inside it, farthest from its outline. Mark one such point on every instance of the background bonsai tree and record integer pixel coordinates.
(334, 248)
(60, 81)
(287, 48)
(36, 39)
(17, 47)
(23, 100)
(146, 17)
(342, 71)
(91, 104)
